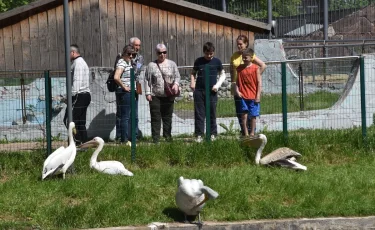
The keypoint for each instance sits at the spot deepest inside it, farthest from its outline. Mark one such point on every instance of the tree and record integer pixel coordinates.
(257, 9)
(6, 5)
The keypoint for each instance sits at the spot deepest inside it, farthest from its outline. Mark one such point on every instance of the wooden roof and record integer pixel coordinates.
(176, 6)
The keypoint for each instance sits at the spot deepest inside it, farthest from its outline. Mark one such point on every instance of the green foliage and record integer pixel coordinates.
(6, 5)
(348, 4)
(258, 9)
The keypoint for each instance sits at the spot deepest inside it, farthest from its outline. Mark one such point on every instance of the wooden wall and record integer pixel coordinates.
(102, 27)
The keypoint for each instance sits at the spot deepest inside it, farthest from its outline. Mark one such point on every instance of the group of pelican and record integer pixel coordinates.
(191, 194)
(62, 158)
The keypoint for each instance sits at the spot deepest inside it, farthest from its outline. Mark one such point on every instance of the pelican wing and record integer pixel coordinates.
(289, 164)
(53, 155)
(279, 154)
(112, 167)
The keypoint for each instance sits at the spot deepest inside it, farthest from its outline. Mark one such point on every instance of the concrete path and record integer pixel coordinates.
(365, 223)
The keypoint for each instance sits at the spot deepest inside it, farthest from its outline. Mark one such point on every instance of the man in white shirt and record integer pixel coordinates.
(81, 97)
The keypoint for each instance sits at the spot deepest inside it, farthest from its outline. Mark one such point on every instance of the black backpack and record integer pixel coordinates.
(111, 84)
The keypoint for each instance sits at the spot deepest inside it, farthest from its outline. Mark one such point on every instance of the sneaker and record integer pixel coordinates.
(199, 139)
(129, 144)
(213, 138)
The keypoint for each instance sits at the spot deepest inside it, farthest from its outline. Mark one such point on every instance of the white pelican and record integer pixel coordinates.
(191, 196)
(108, 167)
(284, 157)
(62, 158)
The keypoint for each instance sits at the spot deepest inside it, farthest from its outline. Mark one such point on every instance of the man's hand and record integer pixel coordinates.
(149, 98)
(257, 100)
(214, 89)
(192, 85)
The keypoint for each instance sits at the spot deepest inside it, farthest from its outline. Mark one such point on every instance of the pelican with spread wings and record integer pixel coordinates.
(283, 157)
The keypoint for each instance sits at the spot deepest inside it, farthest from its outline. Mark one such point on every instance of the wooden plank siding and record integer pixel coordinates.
(60, 37)
(8, 47)
(154, 33)
(2, 51)
(26, 53)
(104, 37)
(146, 47)
(95, 30)
(17, 46)
(52, 40)
(101, 28)
(120, 25)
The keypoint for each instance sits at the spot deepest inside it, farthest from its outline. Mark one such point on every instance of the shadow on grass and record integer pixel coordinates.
(177, 215)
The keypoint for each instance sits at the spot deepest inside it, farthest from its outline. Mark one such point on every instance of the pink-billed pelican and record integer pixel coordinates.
(192, 195)
(62, 158)
(108, 167)
(284, 157)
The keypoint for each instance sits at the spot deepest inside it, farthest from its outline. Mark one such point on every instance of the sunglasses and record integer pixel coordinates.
(132, 54)
(164, 52)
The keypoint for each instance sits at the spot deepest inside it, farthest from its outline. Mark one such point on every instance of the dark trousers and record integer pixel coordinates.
(200, 111)
(80, 102)
(123, 115)
(237, 103)
(161, 109)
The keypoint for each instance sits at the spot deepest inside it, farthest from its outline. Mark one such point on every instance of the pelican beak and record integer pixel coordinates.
(74, 131)
(88, 144)
(203, 201)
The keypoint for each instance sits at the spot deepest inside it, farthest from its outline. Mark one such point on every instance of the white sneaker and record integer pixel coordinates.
(213, 138)
(129, 144)
(199, 139)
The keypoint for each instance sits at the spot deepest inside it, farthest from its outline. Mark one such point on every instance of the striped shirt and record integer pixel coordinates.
(125, 66)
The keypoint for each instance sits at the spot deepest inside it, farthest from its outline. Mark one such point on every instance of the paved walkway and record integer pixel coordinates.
(341, 223)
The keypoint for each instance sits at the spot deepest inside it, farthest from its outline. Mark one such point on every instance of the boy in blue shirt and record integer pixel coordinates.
(198, 85)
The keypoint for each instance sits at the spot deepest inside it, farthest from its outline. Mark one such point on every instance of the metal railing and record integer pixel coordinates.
(297, 94)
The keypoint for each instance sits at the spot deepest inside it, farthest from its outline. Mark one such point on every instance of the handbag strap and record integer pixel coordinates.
(162, 74)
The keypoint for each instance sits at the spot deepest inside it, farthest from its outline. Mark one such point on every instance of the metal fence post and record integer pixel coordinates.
(132, 109)
(48, 108)
(284, 102)
(208, 102)
(363, 100)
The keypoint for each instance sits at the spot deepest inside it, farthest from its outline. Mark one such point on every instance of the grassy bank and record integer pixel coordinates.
(271, 104)
(338, 182)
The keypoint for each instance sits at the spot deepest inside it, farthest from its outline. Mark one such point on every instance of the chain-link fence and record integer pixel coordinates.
(333, 93)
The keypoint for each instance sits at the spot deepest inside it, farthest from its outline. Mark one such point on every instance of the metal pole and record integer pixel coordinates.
(325, 25)
(67, 62)
(363, 100)
(270, 16)
(284, 102)
(208, 102)
(224, 5)
(132, 109)
(48, 103)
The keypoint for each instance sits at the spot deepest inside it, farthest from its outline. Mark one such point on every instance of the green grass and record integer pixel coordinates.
(271, 104)
(338, 182)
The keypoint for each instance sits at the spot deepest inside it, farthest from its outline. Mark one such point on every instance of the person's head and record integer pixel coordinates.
(161, 52)
(247, 56)
(136, 42)
(208, 50)
(128, 52)
(74, 51)
(242, 42)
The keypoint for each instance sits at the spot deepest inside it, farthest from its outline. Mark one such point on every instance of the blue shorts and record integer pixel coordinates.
(250, 107)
